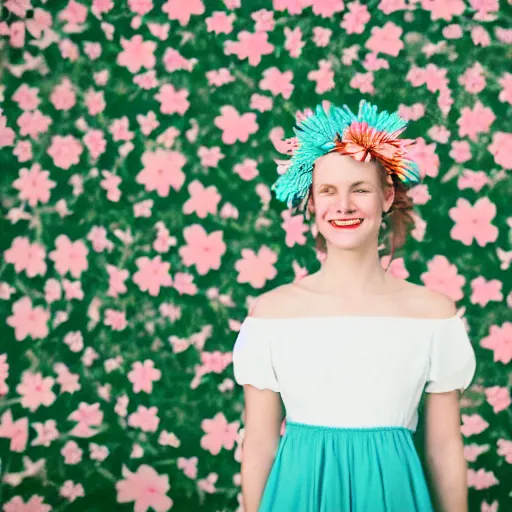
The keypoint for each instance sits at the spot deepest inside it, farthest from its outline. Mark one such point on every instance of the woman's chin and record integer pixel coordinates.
(348, 239)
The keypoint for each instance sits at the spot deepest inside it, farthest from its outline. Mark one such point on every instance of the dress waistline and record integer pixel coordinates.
(297, 426)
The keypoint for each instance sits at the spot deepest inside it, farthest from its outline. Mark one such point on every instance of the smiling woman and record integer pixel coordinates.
(358, 367)
(399, 219)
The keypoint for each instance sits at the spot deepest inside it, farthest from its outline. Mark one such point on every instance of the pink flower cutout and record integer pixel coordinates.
(35, 390)
(473, 424)
(136, 54)
(65, 151)
(499, 398)
(72, 453)
(71, 491)
(34, 504)
(7, 135)
(216, 361)
(389, 6)
(472, 451)
(356, 19)
(506, 93)
(220, 23)
(499, 341)
(144, 418)
(69, 256)
(474, 222)
(146, 488)
(473, 79)
(363, 82)
(172, 101)
(473, 122)
(461, 151)
(208, 484)
(120, 130)
(46, 433)
(75, 13)
(115, 319)
(485, 291)
(386, 39)
(441, 9)
(249, 46)
(443, 277)
(295, 229)
(63, 96)
(505, 449)
(95, 102)
(117, 278)
(425, 156)
(188, 466)
(22, 151)
(95, 142)
(152, 274)
(16, 431)
(140, 7)
(500, 149)
(87, 416)
(481, 479)
(33, 185)
(202, 250)
(475, 180)
(256, 268)
(28, 321)
(33, 124)
(219, 434)
(162, 170)
(26, 97)
(203, 200)
(277, 82)
(143, 375)
(182, 10)
(26, 257)
(235, 126)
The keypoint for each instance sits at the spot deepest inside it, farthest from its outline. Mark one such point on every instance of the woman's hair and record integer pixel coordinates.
(398, 220)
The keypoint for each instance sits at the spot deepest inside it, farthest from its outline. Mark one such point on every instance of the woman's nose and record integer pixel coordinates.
(344, 202)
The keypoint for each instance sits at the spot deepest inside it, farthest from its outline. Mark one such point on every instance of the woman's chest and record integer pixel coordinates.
(351, 357)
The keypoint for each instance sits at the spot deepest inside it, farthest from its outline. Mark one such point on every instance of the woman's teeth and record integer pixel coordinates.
(346, 222)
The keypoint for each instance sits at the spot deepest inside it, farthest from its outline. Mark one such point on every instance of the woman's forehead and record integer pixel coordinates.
(345, 175)
(343, 165)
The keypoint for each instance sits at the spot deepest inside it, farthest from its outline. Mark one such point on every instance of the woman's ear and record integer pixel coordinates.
(310, 206)
(389, 198)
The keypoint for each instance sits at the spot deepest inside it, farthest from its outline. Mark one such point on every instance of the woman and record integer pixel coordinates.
(350, 350)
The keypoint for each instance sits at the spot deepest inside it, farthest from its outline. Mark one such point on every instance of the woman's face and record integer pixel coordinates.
(344, 189)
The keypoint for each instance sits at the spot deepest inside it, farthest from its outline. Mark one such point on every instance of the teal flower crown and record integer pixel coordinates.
(369, 135)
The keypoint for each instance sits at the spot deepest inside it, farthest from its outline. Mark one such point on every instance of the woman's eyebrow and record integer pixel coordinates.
(355, 184)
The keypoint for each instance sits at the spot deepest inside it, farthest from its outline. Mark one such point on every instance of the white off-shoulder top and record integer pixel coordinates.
(354, 371)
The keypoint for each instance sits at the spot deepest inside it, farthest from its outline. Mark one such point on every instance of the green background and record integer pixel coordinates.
(214, 303)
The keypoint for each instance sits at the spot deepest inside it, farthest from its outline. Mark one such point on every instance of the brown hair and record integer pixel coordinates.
(398, 220)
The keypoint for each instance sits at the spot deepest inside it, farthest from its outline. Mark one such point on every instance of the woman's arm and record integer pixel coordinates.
(444, 451)
(262, 427)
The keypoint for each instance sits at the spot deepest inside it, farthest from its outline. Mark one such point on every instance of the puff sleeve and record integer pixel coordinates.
(252, 358)
(452, 358)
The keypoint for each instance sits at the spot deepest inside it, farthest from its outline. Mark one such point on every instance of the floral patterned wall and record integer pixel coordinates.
(138, 143)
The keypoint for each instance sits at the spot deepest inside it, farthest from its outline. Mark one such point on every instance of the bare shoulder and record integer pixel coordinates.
(435, 304)
(271, 304)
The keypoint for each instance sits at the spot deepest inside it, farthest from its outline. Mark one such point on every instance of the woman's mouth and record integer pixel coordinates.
(346, 224)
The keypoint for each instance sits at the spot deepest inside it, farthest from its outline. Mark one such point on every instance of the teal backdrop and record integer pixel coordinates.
(138, 143)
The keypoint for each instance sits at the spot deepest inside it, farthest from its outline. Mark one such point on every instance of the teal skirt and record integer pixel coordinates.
(330, 469)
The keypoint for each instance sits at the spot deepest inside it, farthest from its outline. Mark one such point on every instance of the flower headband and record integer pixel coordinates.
(369, 136)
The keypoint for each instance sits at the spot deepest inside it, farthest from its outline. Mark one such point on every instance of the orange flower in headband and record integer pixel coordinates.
(365, 143)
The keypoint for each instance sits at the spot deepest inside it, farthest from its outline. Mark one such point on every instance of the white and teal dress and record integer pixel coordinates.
(351, 387)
